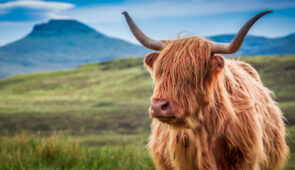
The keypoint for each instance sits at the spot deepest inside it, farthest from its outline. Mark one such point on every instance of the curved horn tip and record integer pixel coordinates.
(265, 12)
(125, 13)
(268, 11)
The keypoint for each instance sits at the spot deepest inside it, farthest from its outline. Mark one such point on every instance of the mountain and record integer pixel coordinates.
(256, 45)
(62, 44)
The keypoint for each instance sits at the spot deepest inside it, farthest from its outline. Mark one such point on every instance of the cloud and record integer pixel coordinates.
(31, 10)
(162, 9)
(36, 4)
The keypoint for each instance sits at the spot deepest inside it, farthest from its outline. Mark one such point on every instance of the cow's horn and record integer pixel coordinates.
(141, 37)
(234, 46)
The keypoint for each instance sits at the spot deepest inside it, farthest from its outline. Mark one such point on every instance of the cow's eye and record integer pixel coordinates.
(150, 59)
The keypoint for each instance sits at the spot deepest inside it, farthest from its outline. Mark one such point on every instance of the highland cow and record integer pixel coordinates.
(208, 112)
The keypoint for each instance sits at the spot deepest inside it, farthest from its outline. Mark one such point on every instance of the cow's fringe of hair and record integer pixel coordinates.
(224, 112)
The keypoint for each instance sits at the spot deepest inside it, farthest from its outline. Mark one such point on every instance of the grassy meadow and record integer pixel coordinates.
(59, 151)
(95, 116)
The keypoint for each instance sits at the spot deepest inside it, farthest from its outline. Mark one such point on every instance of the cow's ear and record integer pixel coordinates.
(216, 66)
(217, 63)
(151, 58)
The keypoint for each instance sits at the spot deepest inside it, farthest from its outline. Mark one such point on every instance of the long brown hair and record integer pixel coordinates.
(223, 102)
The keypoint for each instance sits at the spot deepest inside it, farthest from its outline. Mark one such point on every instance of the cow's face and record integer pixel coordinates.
(182, 73)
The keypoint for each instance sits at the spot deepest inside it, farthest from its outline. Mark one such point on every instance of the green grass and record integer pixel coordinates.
(105, 152)
(63, 152)
(95, 97)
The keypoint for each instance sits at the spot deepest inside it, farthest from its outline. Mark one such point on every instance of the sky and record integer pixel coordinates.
(160, 19)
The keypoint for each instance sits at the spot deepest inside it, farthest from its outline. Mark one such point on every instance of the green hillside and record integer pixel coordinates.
(110, 96)
(92, 98)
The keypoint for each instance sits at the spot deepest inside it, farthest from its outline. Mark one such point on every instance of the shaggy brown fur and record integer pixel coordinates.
(227, 118)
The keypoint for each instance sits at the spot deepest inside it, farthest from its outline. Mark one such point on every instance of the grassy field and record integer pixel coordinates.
(100, 114)
(117, 152)
(103, 152)
(90, 99)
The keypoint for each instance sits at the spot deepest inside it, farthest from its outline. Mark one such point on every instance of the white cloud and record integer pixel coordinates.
(29, 10)
(36, 4)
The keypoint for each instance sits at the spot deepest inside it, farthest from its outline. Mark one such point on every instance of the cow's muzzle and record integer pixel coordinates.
(163, 109)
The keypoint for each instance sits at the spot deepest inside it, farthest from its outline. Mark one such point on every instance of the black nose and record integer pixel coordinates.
(161, 108)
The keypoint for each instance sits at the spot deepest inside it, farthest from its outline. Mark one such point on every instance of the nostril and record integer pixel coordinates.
(165, 106)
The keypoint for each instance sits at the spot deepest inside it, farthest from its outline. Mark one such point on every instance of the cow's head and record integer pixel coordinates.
(184, 70)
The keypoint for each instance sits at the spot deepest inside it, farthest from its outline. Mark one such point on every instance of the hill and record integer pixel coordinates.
(109, 97)
(62, 44)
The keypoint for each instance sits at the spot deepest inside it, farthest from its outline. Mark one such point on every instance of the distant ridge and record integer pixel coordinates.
(258, 45)
(61, 28)
(64, 44)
